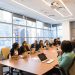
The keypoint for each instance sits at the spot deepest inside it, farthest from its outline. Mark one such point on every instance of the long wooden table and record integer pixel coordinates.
(32, 64)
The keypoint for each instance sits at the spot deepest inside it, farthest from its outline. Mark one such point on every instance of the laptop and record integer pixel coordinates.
(43, 58)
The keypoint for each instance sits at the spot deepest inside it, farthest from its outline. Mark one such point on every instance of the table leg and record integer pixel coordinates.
(1, 69)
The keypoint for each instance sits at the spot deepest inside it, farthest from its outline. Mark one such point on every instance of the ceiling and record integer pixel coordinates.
(42, 9)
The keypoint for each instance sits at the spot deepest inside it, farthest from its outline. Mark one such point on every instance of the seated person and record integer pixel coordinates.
(13, 52)
(35, 45)
(65, 59)
(41, 45)
(55, 42)
(58, 41)
(46, 44)
(23, 48)
(15, 49)
(51, 41)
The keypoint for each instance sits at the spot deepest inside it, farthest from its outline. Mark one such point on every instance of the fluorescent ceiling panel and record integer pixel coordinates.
(60, 8)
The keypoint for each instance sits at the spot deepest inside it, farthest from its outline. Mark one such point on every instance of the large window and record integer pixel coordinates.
(19, 21)
(39, 33)
(46, 33)
(31, 32)
(17, 28)
(59, 31)
(39, 24)
(5, 42)
(31, 23)
(19, 31)
(56, 31)
(5, 16)
(5, 30)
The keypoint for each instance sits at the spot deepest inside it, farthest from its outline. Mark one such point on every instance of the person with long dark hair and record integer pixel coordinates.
(15, 49)
(23, 48)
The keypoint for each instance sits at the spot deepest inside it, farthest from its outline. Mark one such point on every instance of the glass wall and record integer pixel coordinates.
(17, 28)
(56, 31)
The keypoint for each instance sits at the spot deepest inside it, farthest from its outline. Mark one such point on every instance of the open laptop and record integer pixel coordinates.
(43, 58)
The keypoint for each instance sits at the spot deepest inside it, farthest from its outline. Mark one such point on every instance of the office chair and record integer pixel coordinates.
(71, 69)
(5, 55)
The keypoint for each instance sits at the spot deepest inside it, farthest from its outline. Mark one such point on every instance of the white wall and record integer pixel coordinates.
(66, 30)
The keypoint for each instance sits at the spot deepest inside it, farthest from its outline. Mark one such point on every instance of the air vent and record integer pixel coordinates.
(51, 15)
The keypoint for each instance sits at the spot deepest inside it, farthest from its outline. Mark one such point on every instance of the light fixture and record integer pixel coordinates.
(31, 9)
(55, 5)
(66, 7)
(59, 12)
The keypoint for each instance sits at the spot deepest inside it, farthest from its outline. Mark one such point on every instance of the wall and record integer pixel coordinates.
(66, 30)
(72, 30)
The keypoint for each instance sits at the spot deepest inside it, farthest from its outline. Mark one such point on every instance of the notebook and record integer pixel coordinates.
(43, 58)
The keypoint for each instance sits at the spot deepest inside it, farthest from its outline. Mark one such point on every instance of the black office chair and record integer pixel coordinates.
(71, 69)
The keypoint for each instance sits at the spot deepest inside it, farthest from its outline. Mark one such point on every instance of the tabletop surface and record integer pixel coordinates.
(32, 63)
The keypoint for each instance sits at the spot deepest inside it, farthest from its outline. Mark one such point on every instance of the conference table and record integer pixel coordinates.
(32, 63)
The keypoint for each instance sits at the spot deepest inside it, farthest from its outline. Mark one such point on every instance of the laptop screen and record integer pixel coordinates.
(42, 56)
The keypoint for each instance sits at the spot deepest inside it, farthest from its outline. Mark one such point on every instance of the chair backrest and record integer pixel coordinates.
(71, 69)
(29, 45)
(62, 71)
(5, 52)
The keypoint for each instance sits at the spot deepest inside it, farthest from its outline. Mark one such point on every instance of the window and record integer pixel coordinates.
(54, 32)
(19, 40)
(39, 24)
(5, 16)
(19, 21)
(39, 33)
(19, 31)
(46, 33)
(18, 28)
(47, 26)
(31, 23)
(5, 30)
(31, 40)
(5, 42)
(31, 32)
(46, 39)
(59, 31)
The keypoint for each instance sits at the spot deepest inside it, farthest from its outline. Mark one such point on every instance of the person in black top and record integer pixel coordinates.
(41, 45)
(15, 49)
(35, 45)
(23, 48)
(58, 41)
(46, 44)
(13, 52)
(55, 42)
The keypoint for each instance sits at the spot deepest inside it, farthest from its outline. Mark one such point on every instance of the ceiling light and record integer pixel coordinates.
(59, 12)
(55, 5)
(65, 7)
(46, 2)
(31, 9)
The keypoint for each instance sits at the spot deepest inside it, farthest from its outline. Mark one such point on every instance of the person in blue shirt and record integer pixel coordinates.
(64, 60)
(67, 57)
